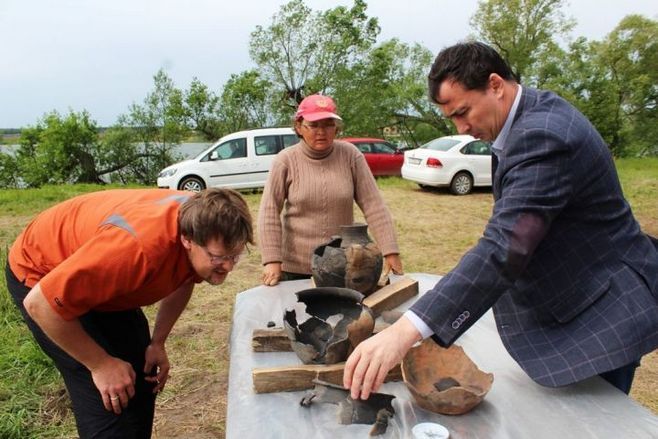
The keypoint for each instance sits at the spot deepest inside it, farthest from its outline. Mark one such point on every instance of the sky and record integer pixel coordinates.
(101, 56)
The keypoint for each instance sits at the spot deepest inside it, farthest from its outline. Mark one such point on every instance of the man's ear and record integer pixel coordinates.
(496, 83)
(187, 243)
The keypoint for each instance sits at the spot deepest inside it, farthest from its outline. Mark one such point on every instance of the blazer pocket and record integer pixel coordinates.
(568, 306)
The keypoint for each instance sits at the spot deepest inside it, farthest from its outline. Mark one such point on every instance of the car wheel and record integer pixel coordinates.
(193, 184)
(461, 184)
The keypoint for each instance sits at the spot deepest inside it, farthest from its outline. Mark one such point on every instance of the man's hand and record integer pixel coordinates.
(156, 357)
(113, 377)
(367, 367)
(115, 380)
(272, 273)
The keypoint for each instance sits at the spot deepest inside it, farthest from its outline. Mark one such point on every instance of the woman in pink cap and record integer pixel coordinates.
(315, 184)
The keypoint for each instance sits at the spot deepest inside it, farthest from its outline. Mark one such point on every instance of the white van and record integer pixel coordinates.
(239, 160)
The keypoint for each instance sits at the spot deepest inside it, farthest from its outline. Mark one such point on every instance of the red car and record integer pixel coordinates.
(383, 157)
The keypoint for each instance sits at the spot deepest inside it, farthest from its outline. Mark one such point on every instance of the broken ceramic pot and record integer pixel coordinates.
(444, 380)
(337, 322)
(375, 410)
(350, 260)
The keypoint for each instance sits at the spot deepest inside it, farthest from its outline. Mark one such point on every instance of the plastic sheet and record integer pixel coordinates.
(516, 407)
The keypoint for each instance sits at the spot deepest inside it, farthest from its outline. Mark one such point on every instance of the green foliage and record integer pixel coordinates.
(522, 30)
(244, 102)
(9, 171)
(59, 150)
(201, 107)
(158, 125)
(614, 82)
(630, 57)
(302, 51)
(388, 88)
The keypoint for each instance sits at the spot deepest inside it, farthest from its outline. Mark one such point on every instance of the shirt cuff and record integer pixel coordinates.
(425, 331)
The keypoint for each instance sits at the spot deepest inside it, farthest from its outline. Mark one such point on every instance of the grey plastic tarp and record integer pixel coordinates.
(515, 407)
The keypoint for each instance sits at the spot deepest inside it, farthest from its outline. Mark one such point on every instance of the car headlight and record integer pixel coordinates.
(167, 173)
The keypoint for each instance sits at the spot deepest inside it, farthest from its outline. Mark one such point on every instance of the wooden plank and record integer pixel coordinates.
(270, 340)
(300, 377)
(392, 295)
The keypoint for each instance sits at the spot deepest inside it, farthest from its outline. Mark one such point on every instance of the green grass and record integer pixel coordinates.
(434, 230)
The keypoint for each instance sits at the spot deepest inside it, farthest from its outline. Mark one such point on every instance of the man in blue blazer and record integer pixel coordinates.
(572, 279)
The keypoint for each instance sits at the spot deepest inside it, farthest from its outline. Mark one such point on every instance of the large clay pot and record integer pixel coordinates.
(350, 260)
(337, 321)
(444, 380)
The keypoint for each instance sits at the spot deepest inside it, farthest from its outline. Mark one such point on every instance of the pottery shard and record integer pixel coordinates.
(444, 380)
(338, 322)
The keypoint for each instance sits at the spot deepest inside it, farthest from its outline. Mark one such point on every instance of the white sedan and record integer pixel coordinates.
(459, 162)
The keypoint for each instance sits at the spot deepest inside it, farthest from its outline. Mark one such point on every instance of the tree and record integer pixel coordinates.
(522, 31)
(614, 82)
(244, 102)
(158, 125)
(201, 107)
(302, 51)
(9, 171)
(629, 55)
(60, 150)
(388, 88)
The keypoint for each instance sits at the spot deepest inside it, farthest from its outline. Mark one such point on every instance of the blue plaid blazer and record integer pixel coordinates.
(572, 279)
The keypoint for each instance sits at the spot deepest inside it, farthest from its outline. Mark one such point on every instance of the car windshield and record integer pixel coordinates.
(440, 144)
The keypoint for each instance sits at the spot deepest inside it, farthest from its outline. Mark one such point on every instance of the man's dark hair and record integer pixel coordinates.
(469, 64)
(215, 213)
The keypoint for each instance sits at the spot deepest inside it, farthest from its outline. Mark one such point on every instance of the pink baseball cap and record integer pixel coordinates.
(317, 107)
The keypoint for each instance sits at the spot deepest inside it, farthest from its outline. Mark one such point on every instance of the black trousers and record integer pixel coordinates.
(122, 334)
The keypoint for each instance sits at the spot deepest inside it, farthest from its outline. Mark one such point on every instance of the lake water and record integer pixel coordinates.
(184, 150)
(190, 150)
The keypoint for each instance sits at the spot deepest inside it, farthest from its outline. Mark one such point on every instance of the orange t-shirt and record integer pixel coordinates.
(105, 251)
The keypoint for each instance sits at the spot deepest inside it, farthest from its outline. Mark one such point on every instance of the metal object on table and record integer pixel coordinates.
(375, 410)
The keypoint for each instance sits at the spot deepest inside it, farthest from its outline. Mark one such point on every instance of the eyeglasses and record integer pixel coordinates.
(314, 126)
(220, 259)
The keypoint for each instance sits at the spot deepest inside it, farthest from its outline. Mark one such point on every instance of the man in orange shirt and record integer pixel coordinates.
(82, 269)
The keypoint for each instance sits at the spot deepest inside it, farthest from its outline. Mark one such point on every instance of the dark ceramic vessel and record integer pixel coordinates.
(336, 322)
(350, 260)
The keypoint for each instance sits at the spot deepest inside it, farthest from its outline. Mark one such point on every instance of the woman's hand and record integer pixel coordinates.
(393, 262)
(272, 273)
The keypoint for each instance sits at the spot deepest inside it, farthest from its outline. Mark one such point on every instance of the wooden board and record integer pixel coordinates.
(270, 340)
(294, 378)
(392, 295)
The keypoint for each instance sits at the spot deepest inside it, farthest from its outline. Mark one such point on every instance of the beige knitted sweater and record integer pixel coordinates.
(309, 194)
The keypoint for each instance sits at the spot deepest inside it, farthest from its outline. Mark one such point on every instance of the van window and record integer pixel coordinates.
(230, 149)
(266, 145)
(289, 140)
